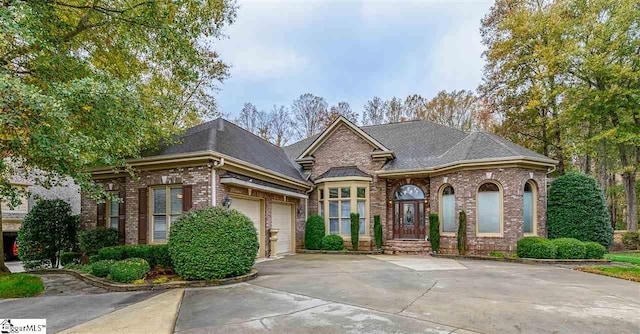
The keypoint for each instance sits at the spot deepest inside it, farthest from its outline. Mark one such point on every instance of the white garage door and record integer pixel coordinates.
(281, 219)
(251, 208)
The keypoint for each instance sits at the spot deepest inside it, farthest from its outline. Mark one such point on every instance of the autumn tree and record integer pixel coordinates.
(85, 84)
(374, 111)
(307, 113)
(394, 112)
(414, 107)
(341, 109)
(457, 109)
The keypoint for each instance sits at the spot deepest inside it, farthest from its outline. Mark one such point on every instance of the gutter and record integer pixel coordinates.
(467, 163)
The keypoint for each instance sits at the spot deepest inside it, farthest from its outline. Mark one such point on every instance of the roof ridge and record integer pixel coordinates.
(253, 134)
(413, 121)
(458, 143)
(499, 142)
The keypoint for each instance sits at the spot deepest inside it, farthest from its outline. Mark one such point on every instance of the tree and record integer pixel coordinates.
(394, 110)
(456, 109)
(263, 125)
(86, 84)
(414, 107)
(307, 112)
(374, 111)
(47, 231)
(281, 125)
(341, 109)
(248, 118)
(576, 209)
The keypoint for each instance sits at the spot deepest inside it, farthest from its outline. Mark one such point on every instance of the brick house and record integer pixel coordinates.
(399, 171)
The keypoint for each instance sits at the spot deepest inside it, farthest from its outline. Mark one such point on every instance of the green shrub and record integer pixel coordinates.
(434, 232)
(577, 209)
(161, 256)
(332, 242)
(497, 254)
(129, 270)
(631, 240)
(101, 268)
(594, 250)
(462, 233)
(47, 231)
(154, 254)
(70, 258)
(536, 248)
(94, 258)
(355, 230)
(314, 232)
(91, 241)
(81, 267)
(212, 243)
(569, 248)
(377, 231)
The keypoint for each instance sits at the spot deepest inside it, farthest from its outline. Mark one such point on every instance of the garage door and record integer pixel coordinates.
(281, 219)
(251, 208)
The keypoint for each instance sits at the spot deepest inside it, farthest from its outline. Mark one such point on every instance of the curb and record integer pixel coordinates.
(525, 261)
(118, 287)
(309, 251)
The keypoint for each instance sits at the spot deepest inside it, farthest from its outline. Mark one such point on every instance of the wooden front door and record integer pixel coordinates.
(408, 220)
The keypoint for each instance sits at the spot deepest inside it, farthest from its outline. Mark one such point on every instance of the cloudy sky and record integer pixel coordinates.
(348, 50)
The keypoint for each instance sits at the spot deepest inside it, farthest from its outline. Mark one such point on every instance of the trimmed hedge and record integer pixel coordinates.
(91, 241)
(434, 232)
(569, 248)
(153, 254)
(536, 248)
(631, 240)
(377, 231)
(129, 270)
(577, 209)
(94, 258)
(594, 250)
(70, 258)
(101, 268)
(462, 233)
(314, 232)
(161, 256)
(355, 230)
(213, 243)
(332, 242)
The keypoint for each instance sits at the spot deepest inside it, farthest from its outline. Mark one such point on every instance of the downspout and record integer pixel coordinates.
(546, 193)
(214, 184)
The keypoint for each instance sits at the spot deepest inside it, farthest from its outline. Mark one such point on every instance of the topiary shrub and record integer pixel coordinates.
(577, 209)
(314, 232)
(434, 232)
(47, 231)
(91, 241)
(631, 240)
(101, 268)
(536, 248)
(355, 230)
(129, 270)
(332, 242)
(594, 250)
(212, 243)
(70, 258)
(569, 248)
(462, 233)
(377, 231)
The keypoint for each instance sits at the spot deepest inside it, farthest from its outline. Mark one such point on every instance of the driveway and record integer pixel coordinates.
(381, 294)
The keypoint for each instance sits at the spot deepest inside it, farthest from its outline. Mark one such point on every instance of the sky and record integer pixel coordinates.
(349, 50)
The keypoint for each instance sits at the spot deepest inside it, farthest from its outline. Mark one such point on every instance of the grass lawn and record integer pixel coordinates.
(628, 273)
(20, 285)
(633, 258)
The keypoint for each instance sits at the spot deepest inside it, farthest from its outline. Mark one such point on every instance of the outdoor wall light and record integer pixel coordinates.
(226, 203)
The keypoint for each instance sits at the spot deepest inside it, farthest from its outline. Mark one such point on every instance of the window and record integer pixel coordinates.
(113, 212)
(529, 208)
(448, 210)
(166, 205)
(408, 192)
(489, 210)
(338, 200)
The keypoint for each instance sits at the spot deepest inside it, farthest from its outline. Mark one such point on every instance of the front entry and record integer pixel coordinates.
(408, 213)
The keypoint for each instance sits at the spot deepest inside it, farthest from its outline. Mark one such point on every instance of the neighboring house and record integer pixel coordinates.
(400, 171)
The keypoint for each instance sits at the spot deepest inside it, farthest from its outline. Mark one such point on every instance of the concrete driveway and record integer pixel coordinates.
(391, 294)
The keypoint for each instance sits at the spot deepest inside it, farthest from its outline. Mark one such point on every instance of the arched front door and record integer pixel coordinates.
(408, 213)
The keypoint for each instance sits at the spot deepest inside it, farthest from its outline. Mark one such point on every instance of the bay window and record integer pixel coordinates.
(336, 202)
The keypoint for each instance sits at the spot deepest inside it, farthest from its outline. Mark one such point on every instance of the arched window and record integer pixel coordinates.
(529, 206)
(408, 192)
(489, 210)
(447, 210)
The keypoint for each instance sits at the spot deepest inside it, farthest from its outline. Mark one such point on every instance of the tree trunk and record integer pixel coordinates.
(629, 181)
(3, 267)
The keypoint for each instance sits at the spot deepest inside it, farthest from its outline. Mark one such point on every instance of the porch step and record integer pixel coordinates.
(406, 247)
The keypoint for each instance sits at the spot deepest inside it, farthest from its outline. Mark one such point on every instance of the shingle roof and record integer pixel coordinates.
(342, 171)
(222, 136)
(424, 144)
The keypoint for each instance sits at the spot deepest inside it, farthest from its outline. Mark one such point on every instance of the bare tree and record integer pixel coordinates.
(263, 125)
(414, 106)
(394, 110)
(281, 125)
(341, 109)
(248, 117)
(374, 111)
(307, 112)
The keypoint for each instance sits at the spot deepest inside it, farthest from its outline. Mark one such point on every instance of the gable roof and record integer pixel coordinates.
(424, 144)
(222, 136)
